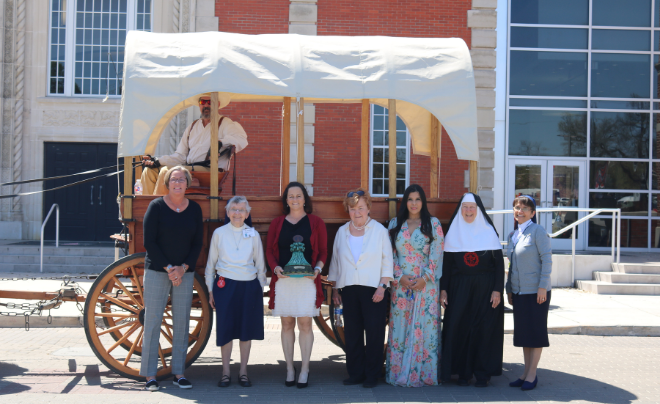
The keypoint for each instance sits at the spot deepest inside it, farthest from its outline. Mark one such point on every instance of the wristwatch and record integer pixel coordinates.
(384, 286)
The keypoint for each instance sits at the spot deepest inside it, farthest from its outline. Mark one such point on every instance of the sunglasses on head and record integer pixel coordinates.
(204, 102)
(353, 193)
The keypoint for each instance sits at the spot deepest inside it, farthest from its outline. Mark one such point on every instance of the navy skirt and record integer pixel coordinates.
(239, 311)
(530, 321)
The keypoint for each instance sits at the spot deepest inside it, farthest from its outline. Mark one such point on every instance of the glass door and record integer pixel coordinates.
(566, 187)
(553, 184)
(526, 177)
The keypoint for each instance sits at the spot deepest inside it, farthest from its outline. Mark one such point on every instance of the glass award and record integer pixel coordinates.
(298, 265)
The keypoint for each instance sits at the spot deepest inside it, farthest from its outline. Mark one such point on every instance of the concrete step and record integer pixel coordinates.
(61, 251)
(56, 259)
(636, 268)
(617, 277)
(66, 269)
(606, 288)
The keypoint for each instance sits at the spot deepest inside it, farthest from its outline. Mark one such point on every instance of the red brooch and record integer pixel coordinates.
(471, 259)
(221, 282)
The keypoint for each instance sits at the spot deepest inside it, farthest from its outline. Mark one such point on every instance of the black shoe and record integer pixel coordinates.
(182, 382)
(303, 385)
(244, 381)
(225, 381)
(292, 382)
(152, 385)
(517, 383)
(463, 382)
(351, 382)
(368, 384)
(481, 383)
(529, 386)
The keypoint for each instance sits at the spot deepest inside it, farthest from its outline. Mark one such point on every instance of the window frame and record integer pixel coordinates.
(372, 148)
(69, 46)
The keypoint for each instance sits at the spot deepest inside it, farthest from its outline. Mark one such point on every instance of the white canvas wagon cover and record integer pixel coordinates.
(165, 73)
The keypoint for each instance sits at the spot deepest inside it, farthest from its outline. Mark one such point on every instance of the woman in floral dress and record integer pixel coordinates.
(417, 240)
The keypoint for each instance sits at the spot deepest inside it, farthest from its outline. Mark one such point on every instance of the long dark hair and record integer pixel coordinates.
(308, 200)
(425, 226)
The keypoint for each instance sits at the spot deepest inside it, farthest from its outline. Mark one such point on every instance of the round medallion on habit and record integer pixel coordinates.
(471, 259)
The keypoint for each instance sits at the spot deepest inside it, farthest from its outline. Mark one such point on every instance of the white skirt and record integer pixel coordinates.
(295, 297)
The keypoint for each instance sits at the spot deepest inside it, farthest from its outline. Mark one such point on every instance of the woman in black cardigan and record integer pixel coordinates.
(173, 234)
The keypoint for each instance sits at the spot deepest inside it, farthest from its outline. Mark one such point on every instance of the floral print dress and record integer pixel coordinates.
(414, 338)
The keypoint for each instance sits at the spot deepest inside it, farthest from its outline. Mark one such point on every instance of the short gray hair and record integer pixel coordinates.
(237, 200)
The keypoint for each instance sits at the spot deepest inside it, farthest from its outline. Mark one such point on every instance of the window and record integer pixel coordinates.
(583, 85)
(379, 170)
(87, 37)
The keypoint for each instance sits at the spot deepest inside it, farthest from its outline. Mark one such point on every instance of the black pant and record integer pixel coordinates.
(363, 316)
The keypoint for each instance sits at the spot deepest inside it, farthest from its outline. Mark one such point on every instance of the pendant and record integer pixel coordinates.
(178, 210)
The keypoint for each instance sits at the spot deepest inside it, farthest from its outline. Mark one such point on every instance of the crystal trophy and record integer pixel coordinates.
(298, 265)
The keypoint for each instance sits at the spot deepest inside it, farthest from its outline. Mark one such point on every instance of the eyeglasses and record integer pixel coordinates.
(353, 193)
(204, 102)
(178, 180)
(468, 207)
(525, 209)
(237, 211)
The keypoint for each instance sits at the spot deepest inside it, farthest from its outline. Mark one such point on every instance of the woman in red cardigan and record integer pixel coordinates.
(296, 298)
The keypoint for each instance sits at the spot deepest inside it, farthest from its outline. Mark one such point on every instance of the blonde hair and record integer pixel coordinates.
(178, 168)
(351, 201)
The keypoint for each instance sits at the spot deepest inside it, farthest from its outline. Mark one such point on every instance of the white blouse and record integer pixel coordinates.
(233, 256)
(375, 261)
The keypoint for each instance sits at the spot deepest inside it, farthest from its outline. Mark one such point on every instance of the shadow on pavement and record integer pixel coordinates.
(10, 370)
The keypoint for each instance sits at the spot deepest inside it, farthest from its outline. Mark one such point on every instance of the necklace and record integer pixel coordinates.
(178, 207)
(361, 227)
(237, 243)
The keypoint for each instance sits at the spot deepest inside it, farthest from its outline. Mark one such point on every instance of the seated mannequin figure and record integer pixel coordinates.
(194, 149)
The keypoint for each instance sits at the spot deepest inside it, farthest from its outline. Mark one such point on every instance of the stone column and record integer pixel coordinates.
(303, 16)
(482, 19)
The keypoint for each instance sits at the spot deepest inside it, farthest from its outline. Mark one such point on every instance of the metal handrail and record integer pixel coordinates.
(616, 226)
(57, 232)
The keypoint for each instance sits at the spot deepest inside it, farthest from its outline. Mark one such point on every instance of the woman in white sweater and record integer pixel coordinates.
(360, 271)
(236, 275)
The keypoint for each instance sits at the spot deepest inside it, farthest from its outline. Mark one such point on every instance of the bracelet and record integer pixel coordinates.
(169, 268)
(319, 268)
(185, 267)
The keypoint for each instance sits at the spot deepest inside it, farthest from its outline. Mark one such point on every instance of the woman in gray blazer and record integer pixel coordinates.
(528, 287)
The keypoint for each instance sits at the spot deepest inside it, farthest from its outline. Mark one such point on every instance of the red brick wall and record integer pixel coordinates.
(412, 18)
(258, 172)
(253, 16)
(337, 148)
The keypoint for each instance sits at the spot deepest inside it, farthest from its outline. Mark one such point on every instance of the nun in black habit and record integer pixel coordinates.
(471, 292)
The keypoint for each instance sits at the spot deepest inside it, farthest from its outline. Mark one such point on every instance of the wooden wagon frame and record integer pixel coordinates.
(427, 82)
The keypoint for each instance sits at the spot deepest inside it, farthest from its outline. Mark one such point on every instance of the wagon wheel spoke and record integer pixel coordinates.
(168, 328)
(124, 337)
(120, 303)
(138, 341)
(136, 281)
(117, 327)
(128, 293)
(162, 357)
(192, 337)
(116, 315)
(167, 337)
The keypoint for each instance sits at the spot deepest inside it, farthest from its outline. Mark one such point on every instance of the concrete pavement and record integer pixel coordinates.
(57, 365)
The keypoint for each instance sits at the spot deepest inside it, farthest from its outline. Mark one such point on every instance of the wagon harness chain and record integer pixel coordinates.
(68, 289)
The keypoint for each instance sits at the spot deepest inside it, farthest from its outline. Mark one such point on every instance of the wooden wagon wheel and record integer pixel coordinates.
(114, 316)
(327, 324)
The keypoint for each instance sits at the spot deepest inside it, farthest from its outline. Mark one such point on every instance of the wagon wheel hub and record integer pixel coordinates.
(141, 316)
